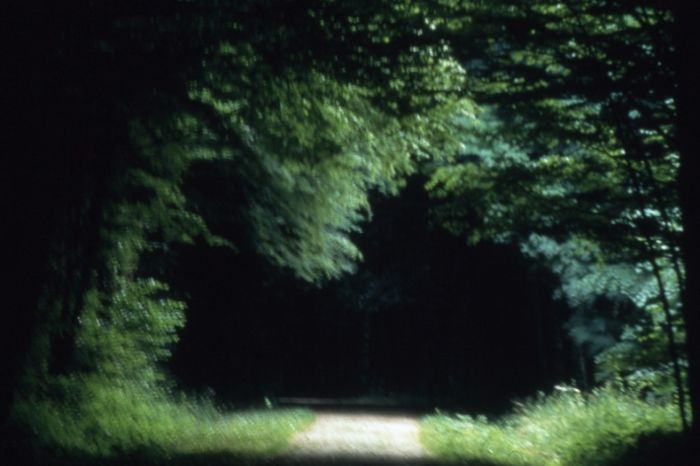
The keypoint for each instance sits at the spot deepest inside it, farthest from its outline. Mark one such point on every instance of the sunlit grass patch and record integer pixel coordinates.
(248, 433)
(565, 428)
(95, 421)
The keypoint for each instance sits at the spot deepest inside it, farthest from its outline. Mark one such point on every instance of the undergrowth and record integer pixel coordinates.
(97, 421)
(566, 428)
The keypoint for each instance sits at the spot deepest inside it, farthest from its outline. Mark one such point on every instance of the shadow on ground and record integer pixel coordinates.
(662, 452)
(228, 460)
(364, 461)
(652, 450)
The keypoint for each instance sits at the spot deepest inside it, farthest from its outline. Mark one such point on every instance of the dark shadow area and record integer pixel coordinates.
(654, 450)
(369, 461)
(663, 449)
(424, 321)
(226, 459)
(657, 450)
(376, 406)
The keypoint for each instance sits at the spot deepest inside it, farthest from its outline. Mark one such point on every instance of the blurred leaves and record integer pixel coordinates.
(562, 428)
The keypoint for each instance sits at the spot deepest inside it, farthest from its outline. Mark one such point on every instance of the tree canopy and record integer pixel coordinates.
(551, 125)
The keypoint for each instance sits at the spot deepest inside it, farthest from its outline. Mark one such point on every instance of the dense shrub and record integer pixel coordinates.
(91, 418)
(564, 428)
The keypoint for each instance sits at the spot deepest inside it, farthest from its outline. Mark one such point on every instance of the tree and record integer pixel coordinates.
(687, 44)
(585, 93)
(307, 106)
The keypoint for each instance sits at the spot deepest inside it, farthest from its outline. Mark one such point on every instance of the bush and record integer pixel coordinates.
(564, 428)
(90, 418)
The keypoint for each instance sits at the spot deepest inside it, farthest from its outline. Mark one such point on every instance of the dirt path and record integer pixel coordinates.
(359, 436)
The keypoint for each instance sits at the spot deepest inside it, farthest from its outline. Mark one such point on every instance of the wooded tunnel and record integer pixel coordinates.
(424, 319)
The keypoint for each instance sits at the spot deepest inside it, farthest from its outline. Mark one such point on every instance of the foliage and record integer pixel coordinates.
(578, 131)
(89, 417)
(305, 123)
(574, 157)
(563, 428)
(617, 316)
(313, 105)
(575, 214)
(126, 339)
(307, 148)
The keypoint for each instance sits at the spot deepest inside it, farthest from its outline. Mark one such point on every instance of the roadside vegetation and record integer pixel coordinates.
(104, 424)
(566, 427)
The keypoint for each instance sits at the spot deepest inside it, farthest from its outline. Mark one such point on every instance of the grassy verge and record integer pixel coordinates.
(565, 428)
(105, 423)
(251, 433)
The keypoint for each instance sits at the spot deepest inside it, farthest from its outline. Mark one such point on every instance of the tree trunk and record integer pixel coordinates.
(688, 101)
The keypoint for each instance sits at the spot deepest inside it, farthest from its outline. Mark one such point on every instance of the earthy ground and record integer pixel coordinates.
(357, 438)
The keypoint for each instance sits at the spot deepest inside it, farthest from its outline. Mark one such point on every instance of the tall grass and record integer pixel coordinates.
(566, 428)
(104, 422)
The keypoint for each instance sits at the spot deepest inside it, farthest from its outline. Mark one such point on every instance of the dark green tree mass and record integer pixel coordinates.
(124, 99)
(564, 127)
(579, 141)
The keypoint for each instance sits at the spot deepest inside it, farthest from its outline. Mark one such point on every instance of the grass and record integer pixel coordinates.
(251, 433)
(104, 423)
(565, 428)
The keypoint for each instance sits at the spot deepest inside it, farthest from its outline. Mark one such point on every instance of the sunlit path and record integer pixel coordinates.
(359, 438)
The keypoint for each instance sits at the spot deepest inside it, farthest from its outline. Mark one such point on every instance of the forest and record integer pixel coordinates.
(236, 230)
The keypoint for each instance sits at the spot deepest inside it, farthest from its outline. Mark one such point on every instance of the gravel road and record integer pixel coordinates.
(359, 438)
